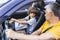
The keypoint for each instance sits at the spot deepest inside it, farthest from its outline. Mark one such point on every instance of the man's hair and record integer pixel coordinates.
(56, 9)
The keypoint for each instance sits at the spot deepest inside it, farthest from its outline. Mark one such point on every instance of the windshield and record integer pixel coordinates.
(2, 2)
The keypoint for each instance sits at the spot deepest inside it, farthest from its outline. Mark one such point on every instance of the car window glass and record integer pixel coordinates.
(25, 7)
(3, 2)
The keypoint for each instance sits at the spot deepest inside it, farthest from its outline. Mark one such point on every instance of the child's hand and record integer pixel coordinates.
(12, 20)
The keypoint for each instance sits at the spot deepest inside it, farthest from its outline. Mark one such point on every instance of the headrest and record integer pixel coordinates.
(58, 1)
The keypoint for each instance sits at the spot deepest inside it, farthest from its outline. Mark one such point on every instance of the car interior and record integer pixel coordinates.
(19, 15)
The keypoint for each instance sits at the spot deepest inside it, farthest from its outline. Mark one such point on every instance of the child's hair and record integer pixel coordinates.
(35, 11)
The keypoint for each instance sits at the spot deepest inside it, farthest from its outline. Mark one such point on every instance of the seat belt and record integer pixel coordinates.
(47, 29)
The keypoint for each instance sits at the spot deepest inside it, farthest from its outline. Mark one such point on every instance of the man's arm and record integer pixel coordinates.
(44, 36)
(38, 32)
(15, 35)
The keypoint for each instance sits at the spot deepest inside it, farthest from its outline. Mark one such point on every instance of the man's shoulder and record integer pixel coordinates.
(46, 22)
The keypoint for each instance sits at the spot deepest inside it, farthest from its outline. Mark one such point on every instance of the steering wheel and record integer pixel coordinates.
(6, 27)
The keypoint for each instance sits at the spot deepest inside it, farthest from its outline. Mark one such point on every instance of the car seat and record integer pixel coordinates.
(58, 1)
(40, 21)
(40, 5)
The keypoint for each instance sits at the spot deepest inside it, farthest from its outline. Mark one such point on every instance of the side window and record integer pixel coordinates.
(21, 12)
(3, 2)
(25, 7)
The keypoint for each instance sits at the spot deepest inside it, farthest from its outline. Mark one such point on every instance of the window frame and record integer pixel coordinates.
(5, 3)
(21, 8)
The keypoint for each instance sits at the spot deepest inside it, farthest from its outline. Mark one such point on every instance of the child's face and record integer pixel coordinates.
(32, 14)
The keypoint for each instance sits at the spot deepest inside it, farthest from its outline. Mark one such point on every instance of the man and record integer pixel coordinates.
(50, 30)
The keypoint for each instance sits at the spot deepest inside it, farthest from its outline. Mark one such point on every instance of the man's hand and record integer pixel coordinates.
(10, 33)
(38, 32)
